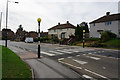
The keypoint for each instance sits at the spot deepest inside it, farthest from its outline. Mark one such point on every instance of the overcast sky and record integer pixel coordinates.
(53, 11)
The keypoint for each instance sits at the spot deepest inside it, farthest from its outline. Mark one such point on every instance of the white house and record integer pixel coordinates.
(107, 22)
(62, 31)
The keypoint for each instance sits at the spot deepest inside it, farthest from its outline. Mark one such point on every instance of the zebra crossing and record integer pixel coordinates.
(77, 52)
(59, 52)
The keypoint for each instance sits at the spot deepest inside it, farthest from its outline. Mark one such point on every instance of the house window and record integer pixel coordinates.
(119, 31)
(108, 23)
(49, 30)
(54, 30)
(60, 35)
(60, 29)
(93, 24)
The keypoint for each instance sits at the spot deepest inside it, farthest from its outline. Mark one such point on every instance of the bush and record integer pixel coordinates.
(36, 40)
(41, 39)
(107, 35)
(91, 39)
(97, 44)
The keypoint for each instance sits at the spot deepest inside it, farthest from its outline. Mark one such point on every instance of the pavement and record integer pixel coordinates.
(46, 68)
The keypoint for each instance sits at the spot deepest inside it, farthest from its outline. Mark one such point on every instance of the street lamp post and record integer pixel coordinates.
(0, 21)
(39, 20)
(7, 20)
(83, 38)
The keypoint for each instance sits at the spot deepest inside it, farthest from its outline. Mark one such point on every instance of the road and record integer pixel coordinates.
(90, 63)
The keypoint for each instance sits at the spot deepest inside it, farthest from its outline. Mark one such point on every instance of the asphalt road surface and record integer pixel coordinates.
(91, 63)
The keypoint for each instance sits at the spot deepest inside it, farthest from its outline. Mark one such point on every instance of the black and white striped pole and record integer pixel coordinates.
(39, 20)
(83, 38)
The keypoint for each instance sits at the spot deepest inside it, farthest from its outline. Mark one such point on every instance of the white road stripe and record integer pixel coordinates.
(64, 51)
(69, 57)
(60, 59)
(70, 50)
(70, 65)
(78, 55)
(55, 52)
(80, 62)
(49, 54)
(103, 51)
(99, 51)
(86, 76)
(85, 70)
(95, 58)
(89, 53)
(75, 51)
(95, 73)
(104, 67)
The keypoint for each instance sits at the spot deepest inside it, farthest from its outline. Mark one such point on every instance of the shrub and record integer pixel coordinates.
(91, 39)
(107, 35)
(97, 44)
(41, 39)
(36, 40)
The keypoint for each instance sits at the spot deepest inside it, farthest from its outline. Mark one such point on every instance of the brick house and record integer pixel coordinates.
(44, 34)
(21, 35)
(10, 34)
(33, 34)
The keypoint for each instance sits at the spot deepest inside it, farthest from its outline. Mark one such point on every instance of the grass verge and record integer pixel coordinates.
(111, 44)
(13, 66)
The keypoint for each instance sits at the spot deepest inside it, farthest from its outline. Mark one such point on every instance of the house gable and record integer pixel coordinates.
(107, 18)
(108, 22)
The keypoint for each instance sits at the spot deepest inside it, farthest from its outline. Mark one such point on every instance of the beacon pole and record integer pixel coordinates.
(39, 20)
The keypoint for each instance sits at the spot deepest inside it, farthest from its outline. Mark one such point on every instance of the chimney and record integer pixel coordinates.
(59, 23)
(107, 13)
(67, 22)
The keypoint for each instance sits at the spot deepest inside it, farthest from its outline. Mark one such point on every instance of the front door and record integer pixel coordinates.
(62, 35)
(99, 35)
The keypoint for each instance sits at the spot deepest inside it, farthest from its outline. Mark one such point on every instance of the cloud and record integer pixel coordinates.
(53, 11)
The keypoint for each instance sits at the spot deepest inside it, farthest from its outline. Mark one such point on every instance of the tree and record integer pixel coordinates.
(20, 27)
(79, 30)
(84, 25)
(78, 33)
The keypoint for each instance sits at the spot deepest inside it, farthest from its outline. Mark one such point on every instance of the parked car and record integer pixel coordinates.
(29, 40)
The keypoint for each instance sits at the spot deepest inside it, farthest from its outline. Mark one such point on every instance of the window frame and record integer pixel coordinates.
(108, 23)
(54, 30)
